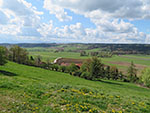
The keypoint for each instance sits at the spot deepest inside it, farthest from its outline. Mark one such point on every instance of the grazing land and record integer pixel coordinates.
(31, 83)
(29, 89)
(120, 61)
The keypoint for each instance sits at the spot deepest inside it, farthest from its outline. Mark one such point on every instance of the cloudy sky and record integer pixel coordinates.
(65, 21)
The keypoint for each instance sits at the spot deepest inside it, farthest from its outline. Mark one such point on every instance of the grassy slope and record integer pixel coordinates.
(29, 89)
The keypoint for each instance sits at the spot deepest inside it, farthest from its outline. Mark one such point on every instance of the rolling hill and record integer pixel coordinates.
(30, 89)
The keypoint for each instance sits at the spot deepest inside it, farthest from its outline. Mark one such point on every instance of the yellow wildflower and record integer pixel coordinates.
(113, 110)
(133, 103)
(91, 93)
(90, 111)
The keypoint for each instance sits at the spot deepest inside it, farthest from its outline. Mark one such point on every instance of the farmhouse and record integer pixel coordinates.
(68, 61)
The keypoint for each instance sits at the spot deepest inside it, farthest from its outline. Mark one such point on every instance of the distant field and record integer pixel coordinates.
(122, 62)
(29, 89)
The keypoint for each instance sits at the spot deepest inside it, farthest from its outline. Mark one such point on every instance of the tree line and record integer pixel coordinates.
(91, 69)
(102, 54)
(122, 49)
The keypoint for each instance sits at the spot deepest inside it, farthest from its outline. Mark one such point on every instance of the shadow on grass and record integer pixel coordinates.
(6, 73)
(109, 82)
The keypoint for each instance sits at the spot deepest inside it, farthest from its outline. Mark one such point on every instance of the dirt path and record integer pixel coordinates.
(147, 59)
(139, 66)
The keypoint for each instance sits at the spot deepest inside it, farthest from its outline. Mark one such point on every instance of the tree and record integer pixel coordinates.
(121, 76)
(83, 53)
(94, 53)
(48, 61)
(38, 60)
(2, 55)
(132, 72)
(108, 73)
(18, 54)
(114, 73)
(85, 66)
(72, 68)
(145, 77)
(62, 68)
(56, 67)
(96, 68)
(31, 58)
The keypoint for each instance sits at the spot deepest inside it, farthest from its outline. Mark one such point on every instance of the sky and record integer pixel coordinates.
(75, 21)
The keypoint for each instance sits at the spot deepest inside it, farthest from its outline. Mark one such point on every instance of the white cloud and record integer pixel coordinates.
(129, 9)
(20, 19)
(118, 32)
(9, 29)
(57, 10)
(107, 15)
(1, 2)
(3, 18)
(147, 39)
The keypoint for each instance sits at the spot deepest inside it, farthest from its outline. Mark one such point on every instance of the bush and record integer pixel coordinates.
(62, 68)
(86, 75)
(132, 73)
(54, 67)
(96, 68)
(2, 55)
(73, 68)
(114, 73)
(77, 73)
(145, 77)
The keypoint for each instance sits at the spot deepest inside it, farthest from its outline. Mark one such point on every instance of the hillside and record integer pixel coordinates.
(30, 89)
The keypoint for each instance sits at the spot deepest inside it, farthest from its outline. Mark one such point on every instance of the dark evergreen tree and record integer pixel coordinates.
(96, 68)
(132, 73)
(2, 55)
(108, 73)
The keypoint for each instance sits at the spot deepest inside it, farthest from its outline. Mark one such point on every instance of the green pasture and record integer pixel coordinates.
(34, 90)
(50, 54)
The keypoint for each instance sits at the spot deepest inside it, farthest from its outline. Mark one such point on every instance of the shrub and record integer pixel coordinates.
(54, 67)
(114, 72)
(86, 75)
(62, 68)
(73, 68)
(2, 55)
(77, 73)
(94, 66)
(145, 77)
(132, 73)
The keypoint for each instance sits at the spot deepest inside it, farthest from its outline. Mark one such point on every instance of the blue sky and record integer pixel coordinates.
(71, 21)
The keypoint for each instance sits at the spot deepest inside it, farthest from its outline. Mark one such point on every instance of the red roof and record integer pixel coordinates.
(68, 64)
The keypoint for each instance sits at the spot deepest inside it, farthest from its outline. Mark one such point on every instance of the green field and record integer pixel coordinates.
(29, 89)
(48, 54)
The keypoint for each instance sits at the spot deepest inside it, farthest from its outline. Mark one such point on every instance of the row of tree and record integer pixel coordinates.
(92, 69)
(19, 55)
(120, 49)
(101, 54)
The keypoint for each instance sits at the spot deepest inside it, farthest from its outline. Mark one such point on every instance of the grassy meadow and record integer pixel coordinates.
(122, 62)
(34, 90)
